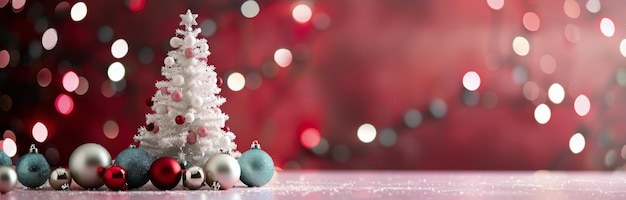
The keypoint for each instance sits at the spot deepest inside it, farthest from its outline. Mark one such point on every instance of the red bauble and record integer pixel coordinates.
(150, 127)
(180, 119)
(115, 178)
(226, 128)
(165, 173)
(149, 102)
(219, 81)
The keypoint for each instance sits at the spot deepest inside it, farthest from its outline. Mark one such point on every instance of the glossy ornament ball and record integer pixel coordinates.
(222, 169)
(60, 179)
(137, 164)
(189, 53)
(175, 42)
(193, 178)
(5, 160)
(257, 167)
(115, 178)
(32, 169)
(86, 164)
(165, 173)
(8, 179)
(179, 119)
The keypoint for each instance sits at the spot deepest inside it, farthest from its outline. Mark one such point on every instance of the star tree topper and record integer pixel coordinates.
(188, 19)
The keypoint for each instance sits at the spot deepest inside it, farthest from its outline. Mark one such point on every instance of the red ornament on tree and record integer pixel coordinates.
(226, 128)
(149, 102)
(180, 119)
(150, 127)
(189, 52)
(115, 178)
(165, 173)
(219, 81)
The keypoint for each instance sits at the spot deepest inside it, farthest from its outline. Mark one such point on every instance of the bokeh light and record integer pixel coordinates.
(620, 76)
(253, 80)
(105, 34)
(531, 21)
(5, 57)
(119, 48)
(547, 64)
(9, 147)
(310, 138)
(388, 137)
(44, 77)
(283, 57)
(572, 33)
(83, 86)
(302, 13)
(556, 93)
(322, 147)
(438, 108)
(9, 134)
(471, 81)
(70, 81)
(607, 27)
(18, 4)
(6, 103)
(593, 6)
(40, 132)
(136, 5)
(321, 21)
(577, 143)
(542, 114)
(64, 104)
(582, 105)
(107, 89)
(78, 11)
(521, 46)
(208, 27)
(236, 81)
(366, 133)
(341, 153)
(412, 118)
(116, 71)
(111, 129)
(250, 9)
(520, 74)
(622, 47)
(49, 39)
(495, 4)
(571, 9)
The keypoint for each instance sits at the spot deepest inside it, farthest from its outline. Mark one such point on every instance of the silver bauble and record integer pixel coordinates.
(60, 179)
(8, 179)
(222, 169)
(193, 178)
(86, 162)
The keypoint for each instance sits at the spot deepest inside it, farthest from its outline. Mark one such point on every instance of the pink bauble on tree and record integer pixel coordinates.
(189, 52)
(177, 96)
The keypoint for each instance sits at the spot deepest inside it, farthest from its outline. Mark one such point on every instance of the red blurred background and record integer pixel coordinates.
(396, 65)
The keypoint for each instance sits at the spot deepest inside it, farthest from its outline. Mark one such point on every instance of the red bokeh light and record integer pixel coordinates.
(136, 5)
(310, 137)
(64, 104)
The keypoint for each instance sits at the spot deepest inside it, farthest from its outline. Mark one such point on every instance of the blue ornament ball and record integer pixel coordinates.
(32, 169)
(5, 160)
(137, 164)
(257, 167)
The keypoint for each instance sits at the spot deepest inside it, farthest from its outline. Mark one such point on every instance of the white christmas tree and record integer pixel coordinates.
(187, 123)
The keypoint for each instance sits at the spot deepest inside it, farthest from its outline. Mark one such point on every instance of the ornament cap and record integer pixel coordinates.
(255, 145)
(33, 149)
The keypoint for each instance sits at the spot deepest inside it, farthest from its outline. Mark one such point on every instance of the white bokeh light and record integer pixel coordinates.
(607, 27)
(471, 81)
(116, 71)
(577, 143)
(622, 47)
(236, 81)
(521, 46)
(78, 11)
(593, 6)
(40, 132)
(366, 133)
(302, 13)
(250, 9)
(547, 64)
(9, 147)
(571, 9)
(542, 114)
(556, 93)
(582, 105)
(283, 57)
(49, 39)
(119, 48)
(495, 4)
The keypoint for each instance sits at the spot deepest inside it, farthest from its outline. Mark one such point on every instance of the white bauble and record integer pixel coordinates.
(197, 101)
(190, 117)
(178, 80)
(190, 41)
(172, 113)
(85, 162)
(175, 42)
(169, 61)
(222, 169)
(8, 179)
(224, 141)
(204, 47)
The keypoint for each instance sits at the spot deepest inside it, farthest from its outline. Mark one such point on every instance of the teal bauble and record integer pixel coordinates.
(5, 160)
(32, 169)
(257, 167)
(137, 164)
